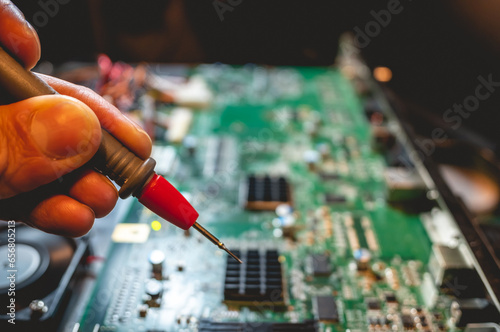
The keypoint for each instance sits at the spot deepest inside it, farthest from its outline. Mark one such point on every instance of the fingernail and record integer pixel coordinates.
(63, 129)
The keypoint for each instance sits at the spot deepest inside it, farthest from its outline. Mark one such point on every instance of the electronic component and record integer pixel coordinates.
(476, 310)
(180, 121)
(334, 199)
(441, 227)
(390, 298)
(220, 152)
(157, 258)
(154, 288)
(376, 322)
(154, 291)
(407, 322)
(143, 310)
(325, 308)
(190, 143)
(453, 274)
(363, 258)
(131, 233)
(319, 265)
(120, 309)
(258, 280)
(328, 176)
(373, 304)
(165, 157)
(391, 275)
(416, 318)
(213, 326)
(266, 192)
(428, 290)
(312, 158)
(410, 274)
(404, 184)
(194, 93)
(352, 235)
(383, 140)
(483, 327)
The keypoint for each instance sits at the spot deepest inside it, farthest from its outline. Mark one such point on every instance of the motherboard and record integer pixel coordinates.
(302, 174)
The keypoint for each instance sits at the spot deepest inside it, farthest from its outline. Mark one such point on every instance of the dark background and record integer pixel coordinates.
(432, 50)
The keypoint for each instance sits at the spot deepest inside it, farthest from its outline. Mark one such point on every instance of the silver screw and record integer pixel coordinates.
(38, 307)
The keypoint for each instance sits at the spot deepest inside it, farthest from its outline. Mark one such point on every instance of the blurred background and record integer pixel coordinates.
(435, 49)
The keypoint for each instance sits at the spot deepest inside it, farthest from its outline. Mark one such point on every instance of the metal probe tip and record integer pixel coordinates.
(214, 240)
(223, 247)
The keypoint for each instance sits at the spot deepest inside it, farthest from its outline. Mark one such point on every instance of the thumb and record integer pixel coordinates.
(43, 138)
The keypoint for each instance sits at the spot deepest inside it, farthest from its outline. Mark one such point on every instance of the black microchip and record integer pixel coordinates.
(373, 304)
(258, 279)
(265, 193)
(325, 308)
(329, 176)
(320, 265)
(334, 199)
(390, 297)
(407, 321)
(206, 325)
(309, 326)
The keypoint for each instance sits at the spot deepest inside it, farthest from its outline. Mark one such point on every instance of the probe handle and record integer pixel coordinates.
(112, 158)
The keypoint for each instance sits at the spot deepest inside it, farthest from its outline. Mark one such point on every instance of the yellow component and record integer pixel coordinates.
(156, 225)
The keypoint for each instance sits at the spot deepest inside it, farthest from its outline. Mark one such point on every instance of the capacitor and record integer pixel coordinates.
(362, 257)
(324, 150)
(154, 288)
(190, 143)
(157, 258)
(312, 157)
(284, 210)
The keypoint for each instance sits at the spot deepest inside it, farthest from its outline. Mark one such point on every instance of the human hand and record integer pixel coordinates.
(46, 137)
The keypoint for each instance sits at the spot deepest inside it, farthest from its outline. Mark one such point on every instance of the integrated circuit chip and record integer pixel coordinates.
(265, 193)
(214, 326)
(391, 298)
(325, 309)
(334, 199)
(319, 265)
(373, 304)
(407, 322)
(258, 280)
(329, 176)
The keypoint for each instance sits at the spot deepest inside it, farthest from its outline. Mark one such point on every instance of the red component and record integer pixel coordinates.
(163, 199)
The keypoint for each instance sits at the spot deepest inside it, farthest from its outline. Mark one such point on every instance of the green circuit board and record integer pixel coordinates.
(281, 167)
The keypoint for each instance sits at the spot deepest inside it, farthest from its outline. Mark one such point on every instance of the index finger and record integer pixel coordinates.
(17, 35)
(118, 125)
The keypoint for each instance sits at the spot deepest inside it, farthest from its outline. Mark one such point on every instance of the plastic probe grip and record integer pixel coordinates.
(121, 165)
(112, 158)
(163, 199)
